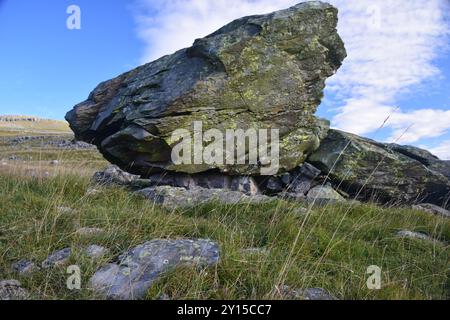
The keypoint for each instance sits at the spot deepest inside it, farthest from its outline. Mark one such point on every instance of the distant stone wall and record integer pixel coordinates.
(18, 118)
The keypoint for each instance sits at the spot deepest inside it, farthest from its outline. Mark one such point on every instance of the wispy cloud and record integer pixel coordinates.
(442, 150)
(391, 48)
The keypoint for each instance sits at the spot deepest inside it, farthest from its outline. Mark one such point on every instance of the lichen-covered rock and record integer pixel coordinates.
(371, 170)
(432, 209)
(258, 72)
(173, 197)
(12, 290)
(137, 269)
(325, 193)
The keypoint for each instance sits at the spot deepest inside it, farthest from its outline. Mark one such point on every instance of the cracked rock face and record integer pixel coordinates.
(257, 72)
(136, 270)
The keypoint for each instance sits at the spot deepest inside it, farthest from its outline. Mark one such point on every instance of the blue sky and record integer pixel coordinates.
(398, 63)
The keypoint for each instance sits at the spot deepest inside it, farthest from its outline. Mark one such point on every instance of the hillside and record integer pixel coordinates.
(20, 124)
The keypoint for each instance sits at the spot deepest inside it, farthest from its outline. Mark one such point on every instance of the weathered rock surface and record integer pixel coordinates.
(89, 232)
(433, 209)
(137, 269)
(380, 171)
(324, 194)
(298, 181)
(258, 72)
(94, 251)
(12, 290)
(247, 185)
(57, 258)
(114, 175)
(25, 267)
(172, 197)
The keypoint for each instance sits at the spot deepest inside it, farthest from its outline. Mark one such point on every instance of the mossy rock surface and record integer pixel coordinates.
(258, 72)
(368, 169)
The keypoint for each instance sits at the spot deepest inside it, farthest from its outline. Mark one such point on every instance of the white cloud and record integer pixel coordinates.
(169, 25)
(442, 150)
(391, 48)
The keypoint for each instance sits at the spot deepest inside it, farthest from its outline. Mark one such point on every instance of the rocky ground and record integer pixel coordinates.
(205, 238)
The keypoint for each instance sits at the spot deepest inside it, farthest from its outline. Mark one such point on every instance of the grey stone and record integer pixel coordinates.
(66, 210)
(324, 193)
(274, 185)
(114, 175)
(302, 178)
(89, 232)
(172, 197)
(433, 209)
(96, 252)
(25, 267)
(417, 235)
(137, 269)
(57, 258)
(305, 294)
(12, 290)
(245, 185)
(255, 251)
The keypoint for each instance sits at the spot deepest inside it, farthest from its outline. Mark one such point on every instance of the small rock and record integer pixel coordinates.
(95, 251)
(432, 209)
(305, 294)
(114, 175)
(245, 185)
(416, 235)
(92, 192)
(66, 210)
(324, 194)
(300, 211)
(4, 163)
(255, 251)
(302, 178)
(137, 269)
(24, 267)
(12, 290)
(57, 258)
(164, 297)
(89, 232)
(274, 184)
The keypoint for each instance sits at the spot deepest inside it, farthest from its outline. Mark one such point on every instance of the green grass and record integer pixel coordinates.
(335, 244)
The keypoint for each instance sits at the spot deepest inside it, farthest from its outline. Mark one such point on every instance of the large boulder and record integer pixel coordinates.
(390, 173)
(257, 72)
